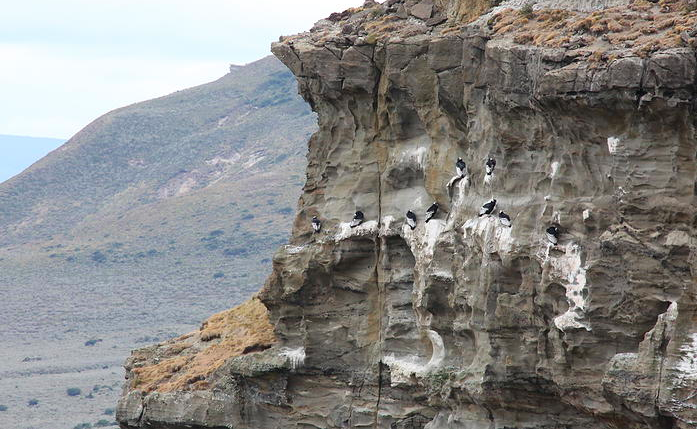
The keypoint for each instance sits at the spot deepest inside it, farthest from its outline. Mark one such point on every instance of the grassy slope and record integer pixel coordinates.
(147, 221)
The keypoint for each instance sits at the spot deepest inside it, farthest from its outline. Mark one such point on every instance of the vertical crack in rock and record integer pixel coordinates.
(380, 242)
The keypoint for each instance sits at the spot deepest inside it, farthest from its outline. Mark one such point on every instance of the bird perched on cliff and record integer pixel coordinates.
(490, 164)
(461, 168)
(411, 219)
(553, 234)
(316, 224)
(487, 208)
(431, 211)
(357, 219)
(505, 219)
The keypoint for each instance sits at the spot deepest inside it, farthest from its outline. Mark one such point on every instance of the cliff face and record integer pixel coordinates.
(463, 322)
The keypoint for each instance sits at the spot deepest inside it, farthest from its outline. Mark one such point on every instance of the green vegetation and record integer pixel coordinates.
(33, 402)
(3, 407)
(73, 391)
(98, 256)
(109, 412)
(527, 10)
(83, 426)
(104, 423)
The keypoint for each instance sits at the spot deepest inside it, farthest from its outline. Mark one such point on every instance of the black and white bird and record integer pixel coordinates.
(490, 164)
(316, 224)
(487, 208)
(461, 168)
(505, 219)
(357, 219)
(411, 219)
(553, 234)
(431, 211)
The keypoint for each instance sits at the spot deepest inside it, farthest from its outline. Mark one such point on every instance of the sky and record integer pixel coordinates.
(18, 153)
(65, 63)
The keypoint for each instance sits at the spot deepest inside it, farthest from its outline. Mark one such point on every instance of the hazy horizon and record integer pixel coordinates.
(19, 152)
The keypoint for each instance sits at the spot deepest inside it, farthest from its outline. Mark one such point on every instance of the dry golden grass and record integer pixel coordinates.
(382, 27)
(186, 365)
(644, 27)
(472, 9)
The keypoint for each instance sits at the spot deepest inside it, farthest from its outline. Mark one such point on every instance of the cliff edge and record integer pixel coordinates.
(463, 322)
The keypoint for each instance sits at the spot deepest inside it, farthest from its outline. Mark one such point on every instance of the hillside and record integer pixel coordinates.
(19, 152)
(148, 220)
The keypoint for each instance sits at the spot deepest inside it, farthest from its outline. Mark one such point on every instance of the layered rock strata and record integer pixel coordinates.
(464, 322)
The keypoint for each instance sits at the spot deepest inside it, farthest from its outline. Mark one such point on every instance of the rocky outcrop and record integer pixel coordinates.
(464, 322)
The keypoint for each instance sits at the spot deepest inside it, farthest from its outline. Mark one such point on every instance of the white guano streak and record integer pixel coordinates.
(296, 357)
(365, 229)
(612, 144)
(569, 267)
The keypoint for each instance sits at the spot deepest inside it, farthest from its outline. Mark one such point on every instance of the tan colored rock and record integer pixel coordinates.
(422, 10)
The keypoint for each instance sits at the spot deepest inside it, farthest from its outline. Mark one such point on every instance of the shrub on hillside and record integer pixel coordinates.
(73, 391)
(98, 257)
(239, 251)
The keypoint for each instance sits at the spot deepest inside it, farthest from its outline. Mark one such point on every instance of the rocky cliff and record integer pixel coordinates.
(462, 322)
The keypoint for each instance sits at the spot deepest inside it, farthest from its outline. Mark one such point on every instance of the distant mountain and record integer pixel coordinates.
(147, 221)
(19, 152)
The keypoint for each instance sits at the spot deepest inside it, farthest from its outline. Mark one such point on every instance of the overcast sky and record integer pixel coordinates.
(64, 63)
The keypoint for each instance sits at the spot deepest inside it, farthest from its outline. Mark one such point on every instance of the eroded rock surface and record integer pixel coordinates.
(463, 322)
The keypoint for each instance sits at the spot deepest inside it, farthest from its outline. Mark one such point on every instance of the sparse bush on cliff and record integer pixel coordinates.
(33, 402)
(527, 10)
(103, 423)
(3, 407)
(83, 426)
(219, 275)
